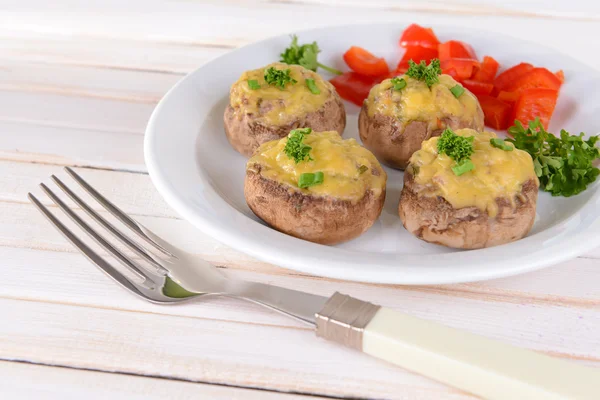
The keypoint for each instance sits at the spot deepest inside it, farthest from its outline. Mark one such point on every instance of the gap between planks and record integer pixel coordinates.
(27, 379)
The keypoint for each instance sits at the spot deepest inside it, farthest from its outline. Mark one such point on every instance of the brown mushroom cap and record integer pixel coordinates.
(346, 201)
(434, 220)
(393, 125)
(254, 117)
(491, 204)
(319, 219)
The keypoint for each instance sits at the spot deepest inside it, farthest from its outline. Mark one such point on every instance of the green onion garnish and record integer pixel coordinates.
(362, 169)
(310, 179)
(253, 84)
(457, 91)
(312, 86)
(399, 83)
(465, 165)
(501, 144)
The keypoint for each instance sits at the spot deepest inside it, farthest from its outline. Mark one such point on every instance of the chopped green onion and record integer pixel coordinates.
(312, 86)
(465, 165)
(309, 179)
(457, 91)
(399, 83)
(362, 169)
(253, 84)
(501, 144)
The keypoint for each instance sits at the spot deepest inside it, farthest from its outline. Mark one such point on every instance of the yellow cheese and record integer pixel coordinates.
(498, 173)
(340, 161)
(417, 102)
(278, 106)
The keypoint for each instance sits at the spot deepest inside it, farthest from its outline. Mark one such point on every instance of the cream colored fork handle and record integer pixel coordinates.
(482, 366)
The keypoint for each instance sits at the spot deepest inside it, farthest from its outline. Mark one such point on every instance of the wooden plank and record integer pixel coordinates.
(125, 54)
(28, 142)
(18, 179)
(86, 112)
(117, 84)
(245, 355)
(30, 381)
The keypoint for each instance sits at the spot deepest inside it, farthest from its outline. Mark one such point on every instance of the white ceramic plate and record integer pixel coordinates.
(201, 176)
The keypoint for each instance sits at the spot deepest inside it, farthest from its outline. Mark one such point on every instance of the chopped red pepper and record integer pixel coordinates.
(536, 78)
(536, 102)
(417, 54)
(508, 97)
(456, 49)
(463, 67)
(416, 35)
(560, 75)
(489, 68)
(506, 78)
(354, 87)
(363, 62)
(496, 112)
(478, 88)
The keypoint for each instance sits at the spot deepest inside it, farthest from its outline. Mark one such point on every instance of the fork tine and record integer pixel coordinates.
(89, 253)
(110, 227)
(99, 239)
(120, 215)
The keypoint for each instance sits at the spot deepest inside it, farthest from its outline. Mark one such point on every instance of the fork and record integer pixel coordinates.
(168, 275)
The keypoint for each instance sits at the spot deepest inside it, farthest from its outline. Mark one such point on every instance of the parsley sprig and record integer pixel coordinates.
(563, 165)
(279, 77)
(305, 55)
(423, 72)
(294, 148)
(458, 148)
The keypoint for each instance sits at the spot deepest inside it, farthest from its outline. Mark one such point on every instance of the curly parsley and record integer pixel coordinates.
(563, 165)
(279, 77)
(294, 148)
(458, 148)
(423, 72)
(305, 55)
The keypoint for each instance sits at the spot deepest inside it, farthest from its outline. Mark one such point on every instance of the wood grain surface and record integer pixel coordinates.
(78, 82)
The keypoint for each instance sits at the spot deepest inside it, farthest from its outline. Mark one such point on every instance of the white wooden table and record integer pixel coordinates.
(78, 81)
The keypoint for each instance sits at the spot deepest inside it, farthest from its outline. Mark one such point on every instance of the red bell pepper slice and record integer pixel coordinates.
(456, 49)
(416, 35)
(496, 112)
(463, 67)
(417, 54)
(536, 102)
(506, 78)
(488, 71)
(478, 88)
(508, 97)
(560, 75)
(536, 78)
(354, 87)
(365, 63)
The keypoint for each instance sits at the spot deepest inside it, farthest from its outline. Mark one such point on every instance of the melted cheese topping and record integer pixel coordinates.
(497, 173)
(339, 160)
(273, 105)
(417, 102)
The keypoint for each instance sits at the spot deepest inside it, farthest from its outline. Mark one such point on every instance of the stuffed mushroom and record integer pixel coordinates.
(483, 200)
(267, 103)
(401, 113)
(315, 186)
